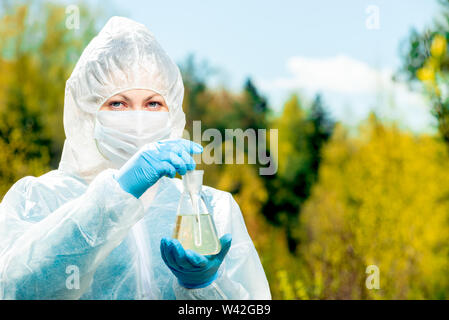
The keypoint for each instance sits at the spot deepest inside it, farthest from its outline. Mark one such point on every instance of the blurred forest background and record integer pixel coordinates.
(340, 201)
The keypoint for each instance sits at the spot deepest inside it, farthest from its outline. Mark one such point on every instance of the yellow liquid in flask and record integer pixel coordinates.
(197, 235)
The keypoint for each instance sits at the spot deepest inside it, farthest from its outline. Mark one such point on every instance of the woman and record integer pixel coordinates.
(96, 228)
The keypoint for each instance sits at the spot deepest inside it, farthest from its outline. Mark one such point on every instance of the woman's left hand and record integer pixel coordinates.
(193, 270)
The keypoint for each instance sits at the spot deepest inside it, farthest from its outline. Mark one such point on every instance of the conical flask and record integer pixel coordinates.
(195, 227)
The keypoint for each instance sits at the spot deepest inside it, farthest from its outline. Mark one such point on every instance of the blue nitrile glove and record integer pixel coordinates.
(155, 160)
(193, 270)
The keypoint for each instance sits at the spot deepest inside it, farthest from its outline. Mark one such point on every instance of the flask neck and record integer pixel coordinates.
(192, 181)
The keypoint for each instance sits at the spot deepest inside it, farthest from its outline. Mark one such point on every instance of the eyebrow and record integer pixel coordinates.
(152, 96)
(145, 100)
(124, 97)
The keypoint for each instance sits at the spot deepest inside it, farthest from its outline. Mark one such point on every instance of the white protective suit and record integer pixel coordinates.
(74, 233)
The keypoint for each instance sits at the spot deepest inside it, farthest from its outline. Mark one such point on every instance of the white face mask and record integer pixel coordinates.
(120, 134)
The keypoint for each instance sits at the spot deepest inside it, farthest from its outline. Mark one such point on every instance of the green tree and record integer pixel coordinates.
(301, 137)
(426, 66)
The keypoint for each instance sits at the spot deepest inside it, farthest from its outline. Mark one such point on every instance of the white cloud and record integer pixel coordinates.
(349, 83)
(336, 74)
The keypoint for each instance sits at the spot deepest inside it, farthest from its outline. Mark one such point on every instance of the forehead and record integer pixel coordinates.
(138, 94)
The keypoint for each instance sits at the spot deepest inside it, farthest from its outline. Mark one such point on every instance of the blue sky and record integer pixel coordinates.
(278, 43)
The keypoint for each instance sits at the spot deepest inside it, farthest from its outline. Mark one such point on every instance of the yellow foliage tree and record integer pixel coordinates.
(381, 199)
(36, 58)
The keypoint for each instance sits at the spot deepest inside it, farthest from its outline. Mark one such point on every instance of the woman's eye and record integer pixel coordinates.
(116, 104)
(154, 104)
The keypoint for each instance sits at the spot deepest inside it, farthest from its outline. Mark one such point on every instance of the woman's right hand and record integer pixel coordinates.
(155, 160)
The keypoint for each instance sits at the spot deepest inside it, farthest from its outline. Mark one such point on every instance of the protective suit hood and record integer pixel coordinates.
(124, 55)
